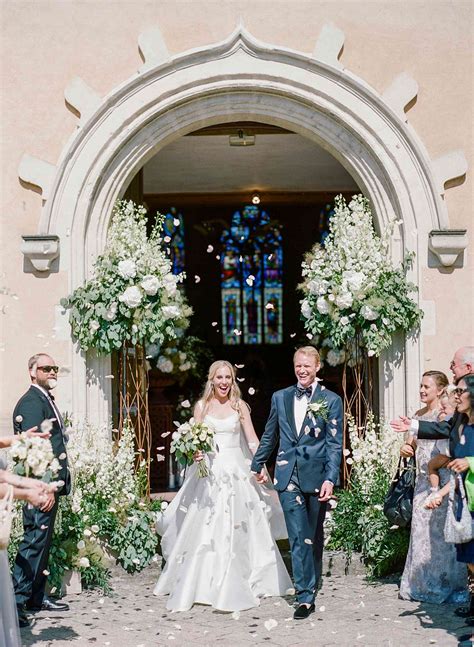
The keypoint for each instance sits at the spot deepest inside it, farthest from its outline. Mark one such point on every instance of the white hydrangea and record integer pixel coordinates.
(368, 312)
(164, 364)
(171, 312)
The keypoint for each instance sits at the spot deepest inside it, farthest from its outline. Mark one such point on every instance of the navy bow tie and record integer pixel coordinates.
(300, 392)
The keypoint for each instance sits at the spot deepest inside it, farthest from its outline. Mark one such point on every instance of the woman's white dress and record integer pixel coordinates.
(9, 630)
(218, 534)
(432, 572)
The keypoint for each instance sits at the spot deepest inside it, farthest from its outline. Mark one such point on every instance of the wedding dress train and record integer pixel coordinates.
(218, 534)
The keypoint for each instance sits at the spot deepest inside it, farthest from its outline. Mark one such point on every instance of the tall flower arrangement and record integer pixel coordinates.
(358, 523)
(133, 295)
(106, 518)
(352, 290)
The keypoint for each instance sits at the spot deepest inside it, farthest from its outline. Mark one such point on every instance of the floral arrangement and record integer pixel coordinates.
(180, 356)
(358, 523)
(133, 295)
(106, 518)
(189, 438)
(353, 294)
(33, 457)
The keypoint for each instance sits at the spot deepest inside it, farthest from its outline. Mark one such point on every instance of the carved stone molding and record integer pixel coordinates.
(40, 251)
(448, 244)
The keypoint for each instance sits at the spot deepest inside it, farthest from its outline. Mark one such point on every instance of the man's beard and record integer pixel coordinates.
(51, 382)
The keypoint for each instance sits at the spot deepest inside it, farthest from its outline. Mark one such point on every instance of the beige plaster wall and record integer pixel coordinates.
(46, 43)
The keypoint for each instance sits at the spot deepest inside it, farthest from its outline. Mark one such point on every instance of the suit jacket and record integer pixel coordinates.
(34, 407)
(442, 429)
(316, 451)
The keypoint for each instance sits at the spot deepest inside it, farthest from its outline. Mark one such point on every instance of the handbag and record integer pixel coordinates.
(6, 517)
(458, 523)
(398, 505)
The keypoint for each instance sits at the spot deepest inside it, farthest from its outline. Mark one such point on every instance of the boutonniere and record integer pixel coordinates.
(319, 408)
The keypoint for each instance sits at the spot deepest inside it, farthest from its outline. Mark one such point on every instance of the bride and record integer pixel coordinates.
(218, 534)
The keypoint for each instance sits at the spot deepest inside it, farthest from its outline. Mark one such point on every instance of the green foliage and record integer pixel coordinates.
(135, 542)
(359, 525)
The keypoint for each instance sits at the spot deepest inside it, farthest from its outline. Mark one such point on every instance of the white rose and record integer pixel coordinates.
(94, 325)
(170, 284)
(111, 312)
(81, 544)
(306, 310)
(322, 305)
(131, 297)
(150, 285)
(171, 312)
(369, 313)
(84, 562)
(95, 528)
(127, 269)
(344, 321)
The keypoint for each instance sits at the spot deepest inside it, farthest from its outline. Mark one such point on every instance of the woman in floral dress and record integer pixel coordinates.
(431, 573)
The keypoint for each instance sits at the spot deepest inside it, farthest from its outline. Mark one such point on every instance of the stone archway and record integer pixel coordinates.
(242, 79)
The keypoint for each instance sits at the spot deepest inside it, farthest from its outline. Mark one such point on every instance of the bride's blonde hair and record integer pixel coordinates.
(234, 392)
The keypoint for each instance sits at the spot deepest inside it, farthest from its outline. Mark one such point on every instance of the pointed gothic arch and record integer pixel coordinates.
(242, 79)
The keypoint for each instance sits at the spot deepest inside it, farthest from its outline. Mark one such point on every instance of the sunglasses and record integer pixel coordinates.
(460, 391)
(48, 369)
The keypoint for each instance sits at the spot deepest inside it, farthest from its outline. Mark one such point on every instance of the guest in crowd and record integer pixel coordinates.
(36, 493)
(460, 465)
(431, 572)
(30, 571)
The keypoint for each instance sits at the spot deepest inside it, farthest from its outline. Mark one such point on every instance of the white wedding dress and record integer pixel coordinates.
(218, 534)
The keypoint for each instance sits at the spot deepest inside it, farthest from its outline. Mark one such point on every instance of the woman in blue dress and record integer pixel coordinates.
(465, 448)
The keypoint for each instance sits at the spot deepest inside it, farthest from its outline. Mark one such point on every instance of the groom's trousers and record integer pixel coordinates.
(304, 517)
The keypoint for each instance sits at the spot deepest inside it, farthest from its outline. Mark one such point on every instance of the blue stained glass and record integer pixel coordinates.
(173, 228)
(251, 264)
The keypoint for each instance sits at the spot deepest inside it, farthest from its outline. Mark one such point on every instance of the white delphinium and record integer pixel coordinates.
(351, 281)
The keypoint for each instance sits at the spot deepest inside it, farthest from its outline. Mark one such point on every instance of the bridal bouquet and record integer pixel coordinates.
(33, 457)
(189, 438)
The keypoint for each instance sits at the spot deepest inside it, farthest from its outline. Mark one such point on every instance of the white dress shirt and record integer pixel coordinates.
(300, 406)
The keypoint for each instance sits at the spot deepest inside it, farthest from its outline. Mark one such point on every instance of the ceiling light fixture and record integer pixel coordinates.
(241, 139)
(255, 198)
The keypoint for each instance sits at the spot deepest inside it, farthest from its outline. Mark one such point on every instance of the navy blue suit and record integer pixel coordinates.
(305, 460)
(28, 576)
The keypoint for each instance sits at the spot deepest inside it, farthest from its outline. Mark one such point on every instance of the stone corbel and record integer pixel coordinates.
(448, 244)
(40, 251)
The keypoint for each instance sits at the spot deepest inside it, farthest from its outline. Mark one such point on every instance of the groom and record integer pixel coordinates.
(305, 422)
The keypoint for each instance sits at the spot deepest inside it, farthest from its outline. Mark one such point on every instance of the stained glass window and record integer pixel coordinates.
(323, 226)
(251, 279)
(173, 231)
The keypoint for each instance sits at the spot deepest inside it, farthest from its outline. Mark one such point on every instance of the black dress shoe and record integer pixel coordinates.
(303, 611)
(23, 619)
(50, 605)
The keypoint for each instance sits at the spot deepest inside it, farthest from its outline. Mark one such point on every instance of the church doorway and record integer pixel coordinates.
(247, 214)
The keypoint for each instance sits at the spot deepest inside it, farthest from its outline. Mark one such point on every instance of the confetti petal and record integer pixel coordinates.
(166, 433)
(239, 365)
(308, 541)
(196, 278)
(160, 458)
(270, 624)
(251, 391)
(186, 404)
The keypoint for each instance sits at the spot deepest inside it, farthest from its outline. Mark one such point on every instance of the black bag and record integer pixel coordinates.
(398, 504)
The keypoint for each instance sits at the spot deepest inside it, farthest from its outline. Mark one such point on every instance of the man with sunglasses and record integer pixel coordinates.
(29, 573)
